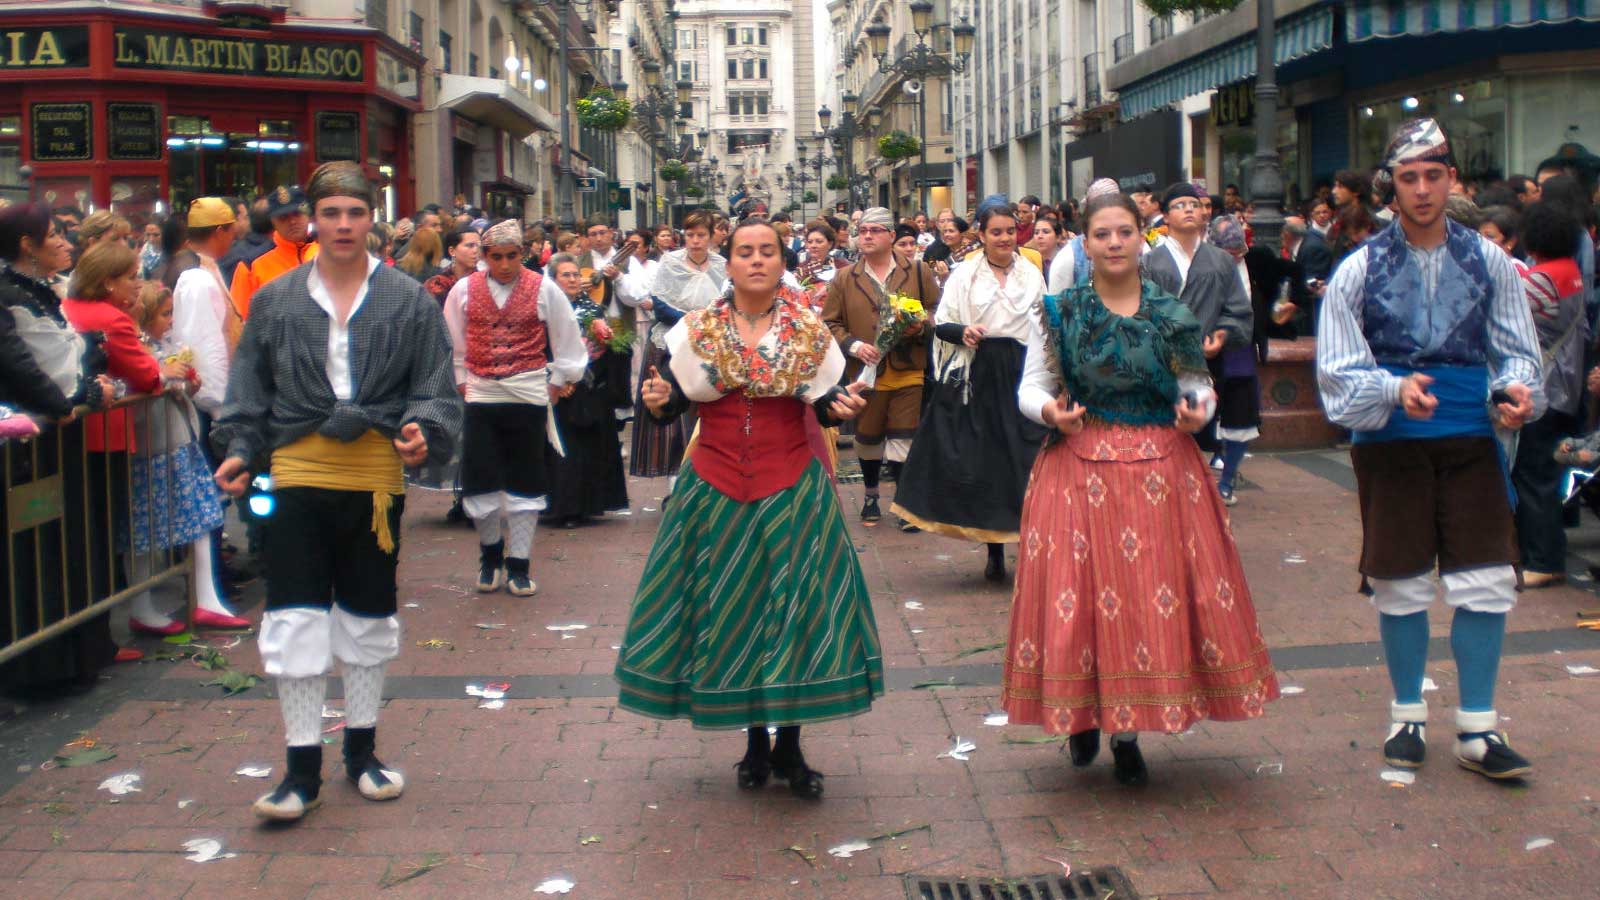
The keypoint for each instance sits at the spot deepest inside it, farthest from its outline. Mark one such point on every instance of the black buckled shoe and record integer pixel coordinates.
(753, 772)
(804, 782)
(375, 780)
(299, 791)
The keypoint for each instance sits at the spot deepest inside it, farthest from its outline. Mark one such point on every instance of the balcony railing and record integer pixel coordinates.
(1122, 47)
(1160, 29)
(1091, 80)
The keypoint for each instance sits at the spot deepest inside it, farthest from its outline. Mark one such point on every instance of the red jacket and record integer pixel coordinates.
(112, 431)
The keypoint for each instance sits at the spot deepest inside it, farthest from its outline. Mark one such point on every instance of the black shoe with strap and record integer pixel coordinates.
(491, 567)
(804, 782)
(1499, 761)
(375, 780)
(1407, 746)
(299, 791)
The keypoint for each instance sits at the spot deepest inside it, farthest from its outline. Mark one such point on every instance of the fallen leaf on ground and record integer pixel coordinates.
(233, 682)
(436, 644)
(1035, 739)
(86, 757)
(809, 857)
(591, 839)
(981, 648)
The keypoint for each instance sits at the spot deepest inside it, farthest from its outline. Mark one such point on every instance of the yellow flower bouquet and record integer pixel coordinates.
(896, 317)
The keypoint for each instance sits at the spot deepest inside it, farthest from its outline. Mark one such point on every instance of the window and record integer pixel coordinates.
(378, 15)
(472, 64)
(747, 35)
(733, 36)
(686, 109)
(733, 103)
(686, 70)
(414, 29)
(761, 104)
(733, 69)
(749, 69)
(11, 184)
(749, 104)
(762, 67)
(446, 59)
(761, 36)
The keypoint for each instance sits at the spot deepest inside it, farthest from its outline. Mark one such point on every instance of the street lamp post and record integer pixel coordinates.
(843, 137)
(923, 62)
(1266, 182)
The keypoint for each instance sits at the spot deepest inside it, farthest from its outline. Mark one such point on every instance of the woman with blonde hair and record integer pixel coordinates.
(422, 257)
(100, 227)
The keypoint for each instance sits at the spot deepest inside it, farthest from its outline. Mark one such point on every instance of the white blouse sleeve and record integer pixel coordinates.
(455, 320)
(1040, 383)
(569, 357)
(828, 374)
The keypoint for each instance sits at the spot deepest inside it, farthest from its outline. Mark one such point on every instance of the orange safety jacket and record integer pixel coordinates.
(249, 277)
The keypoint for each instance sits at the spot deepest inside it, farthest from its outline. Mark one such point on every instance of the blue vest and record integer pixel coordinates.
(1409, 329)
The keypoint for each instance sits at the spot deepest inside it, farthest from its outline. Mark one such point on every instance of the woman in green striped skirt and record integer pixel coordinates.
(753, 611)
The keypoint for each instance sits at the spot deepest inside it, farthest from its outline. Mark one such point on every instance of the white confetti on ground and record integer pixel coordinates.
(205, 850)
(126, 783)
(1289, 690)
(1582, 670)
(184, 804)
(554, 886)
(913, 604)
(959, 750)
(1295, 559)
(849, 849)
(413, 606)
(1398, 776)
(1428, 684)
(253, 771)
(1539, 843)
(576, 626)
(329, 712)
(1270, 768)
(997, 719)
(943, 557)
(916, 631)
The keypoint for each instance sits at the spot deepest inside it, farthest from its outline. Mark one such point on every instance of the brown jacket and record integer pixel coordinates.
(851, 311)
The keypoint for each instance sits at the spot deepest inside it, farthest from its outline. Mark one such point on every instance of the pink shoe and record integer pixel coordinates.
(128, 654)
(205, 618)
(138, 627)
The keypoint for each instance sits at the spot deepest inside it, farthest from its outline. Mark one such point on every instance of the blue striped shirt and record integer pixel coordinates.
(1360, 395)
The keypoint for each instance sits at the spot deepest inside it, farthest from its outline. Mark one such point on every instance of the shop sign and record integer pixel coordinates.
(145, 48)
(618, 197)
(338, 136)
(133, 131)
(62, 131)
(64, 47)
(1234, 105)
(588, 184)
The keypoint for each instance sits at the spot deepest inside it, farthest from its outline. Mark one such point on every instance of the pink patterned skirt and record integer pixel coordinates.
(1131, 611)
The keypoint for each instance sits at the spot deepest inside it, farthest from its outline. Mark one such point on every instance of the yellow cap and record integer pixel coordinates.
(205, 212)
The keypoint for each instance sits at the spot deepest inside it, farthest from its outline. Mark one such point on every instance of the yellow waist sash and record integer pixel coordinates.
(368, 463)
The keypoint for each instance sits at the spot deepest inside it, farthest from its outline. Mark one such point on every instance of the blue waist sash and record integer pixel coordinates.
(667, 314)
(1463, 410)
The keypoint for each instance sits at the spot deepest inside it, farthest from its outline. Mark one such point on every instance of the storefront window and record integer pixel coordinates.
(1473, 115)
(204, 162)
(11, 186)
(137, 199)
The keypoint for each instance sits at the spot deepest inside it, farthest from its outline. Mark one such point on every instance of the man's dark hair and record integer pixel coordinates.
(72, 211)
(260, 221)
(454, 239)
(596, 222)
(429, 208)
(1030, 199)
(1353, 181)
(1549, 231)
(1231, 187)
(1505, 219)
(779, 217)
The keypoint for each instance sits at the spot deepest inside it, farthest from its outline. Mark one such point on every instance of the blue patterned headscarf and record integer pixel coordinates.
(991, 202)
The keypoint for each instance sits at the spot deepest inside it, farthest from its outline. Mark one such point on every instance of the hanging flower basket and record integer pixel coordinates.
(811, 196)
(1168, 7)
(603, 110)
(673, 170)
(898, 145)
(694, 190)
(836, 183)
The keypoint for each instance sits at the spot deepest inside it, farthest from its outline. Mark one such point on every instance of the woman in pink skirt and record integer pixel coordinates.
(1131, 610)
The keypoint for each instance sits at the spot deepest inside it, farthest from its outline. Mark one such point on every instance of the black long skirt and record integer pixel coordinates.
(589, 480)
(968, 468)
(658, 446)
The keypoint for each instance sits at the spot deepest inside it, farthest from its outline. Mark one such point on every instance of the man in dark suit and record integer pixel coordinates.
(1308, 248)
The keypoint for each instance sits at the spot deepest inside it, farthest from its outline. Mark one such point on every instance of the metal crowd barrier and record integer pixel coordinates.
(69, 551)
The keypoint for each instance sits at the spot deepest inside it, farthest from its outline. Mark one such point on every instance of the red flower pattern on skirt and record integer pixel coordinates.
(1147, 624)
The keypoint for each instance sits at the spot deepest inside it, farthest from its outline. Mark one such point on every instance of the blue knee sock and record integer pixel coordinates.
(1405, 649)
(1475, 639)
(1232, 456)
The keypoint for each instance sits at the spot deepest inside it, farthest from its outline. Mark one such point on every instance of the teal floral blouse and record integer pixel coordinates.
(1124, 369)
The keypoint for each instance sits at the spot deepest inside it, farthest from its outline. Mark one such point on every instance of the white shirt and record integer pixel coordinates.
(1180, 256)
(566, 355)
(199, 321)
(339, 332)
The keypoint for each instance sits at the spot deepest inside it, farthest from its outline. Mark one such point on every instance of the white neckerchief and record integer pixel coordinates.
(1182, 257)
(338, 365)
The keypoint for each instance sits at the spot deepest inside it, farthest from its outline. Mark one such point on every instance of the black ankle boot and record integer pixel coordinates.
(996, 569)
(1128, 763)
(361, 766)
(789, 764)
(1084, 746)
(491, 566)
(299, 791)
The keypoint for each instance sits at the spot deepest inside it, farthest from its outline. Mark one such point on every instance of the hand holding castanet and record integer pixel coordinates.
(1064, 414)
(412, 444)
(655, 391)
(232, 477)
(849, 403)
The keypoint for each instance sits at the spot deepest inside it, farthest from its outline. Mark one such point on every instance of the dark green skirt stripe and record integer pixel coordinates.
(751, 613)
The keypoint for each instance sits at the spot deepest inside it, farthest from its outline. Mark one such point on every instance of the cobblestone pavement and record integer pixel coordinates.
(559, 784)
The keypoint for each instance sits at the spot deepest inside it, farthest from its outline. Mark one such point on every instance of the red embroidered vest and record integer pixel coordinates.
(750, 448)
(509, 341)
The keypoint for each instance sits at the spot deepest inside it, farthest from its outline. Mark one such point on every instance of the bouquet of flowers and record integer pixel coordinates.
(185, 356)
(898, 314)
(600, 333)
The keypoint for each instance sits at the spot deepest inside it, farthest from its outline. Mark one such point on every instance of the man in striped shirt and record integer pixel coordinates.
(1428, 320)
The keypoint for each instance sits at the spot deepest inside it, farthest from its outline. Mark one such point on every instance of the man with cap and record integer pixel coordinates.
(1426, 348)
(1204, 278)
(341, 378)
(1071, 266)
(856, 299)
(287, 209)
(517, 351)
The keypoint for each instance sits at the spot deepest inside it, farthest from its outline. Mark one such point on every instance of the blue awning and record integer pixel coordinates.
(1298, 35)
(1368, 19)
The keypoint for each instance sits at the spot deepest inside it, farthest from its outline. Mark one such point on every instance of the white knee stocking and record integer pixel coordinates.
(301, 701)
(205, 578)
(363, 693)
(488, 529)
(143, 606)
(519, 541)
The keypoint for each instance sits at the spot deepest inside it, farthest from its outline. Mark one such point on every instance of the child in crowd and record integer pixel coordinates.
(175, 502)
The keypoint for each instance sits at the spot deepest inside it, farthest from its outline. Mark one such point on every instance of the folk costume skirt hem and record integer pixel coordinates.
(1131, 610)
(751, 614)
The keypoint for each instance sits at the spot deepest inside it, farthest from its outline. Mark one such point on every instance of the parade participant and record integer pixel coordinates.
(1425, 346)
(688, 279)
(604, 264)
(818, 267)
(1070, 267)
(342, 376)
(856, 302)
(968, 466)
(287, 209)
(464, 248)
(1234, 373)
(666, 239)
(1131, 611)
(633, 289)
(1048, 239)
(905, 242)
(752, 611)
(587, 477)
(517, 352)
(1027, 211)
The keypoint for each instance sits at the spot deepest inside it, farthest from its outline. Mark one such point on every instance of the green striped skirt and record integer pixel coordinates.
(751, 613)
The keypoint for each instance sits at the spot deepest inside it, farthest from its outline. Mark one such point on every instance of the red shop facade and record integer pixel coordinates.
(143, 108)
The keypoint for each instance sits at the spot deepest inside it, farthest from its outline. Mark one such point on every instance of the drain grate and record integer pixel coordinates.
(1106, 883)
